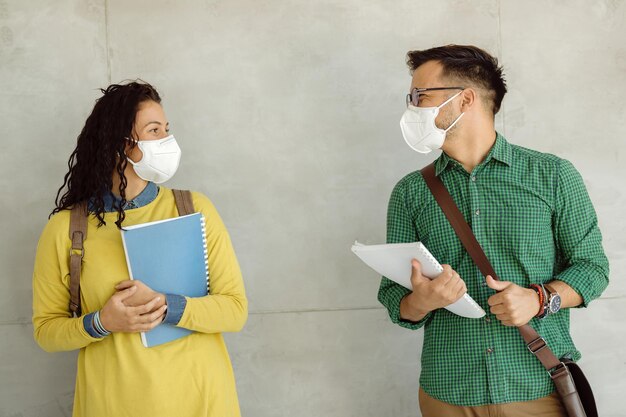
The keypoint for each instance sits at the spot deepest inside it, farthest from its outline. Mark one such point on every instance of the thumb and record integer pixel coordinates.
(127, 293)
(416, 272)
(124, 284)
(497, 285)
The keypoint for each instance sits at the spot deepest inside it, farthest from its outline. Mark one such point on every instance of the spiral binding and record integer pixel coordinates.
(206, 253)
(430, 257)
(435, 262)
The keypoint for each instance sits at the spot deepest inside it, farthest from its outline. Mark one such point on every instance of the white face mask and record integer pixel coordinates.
(419, 129)
(160, 159)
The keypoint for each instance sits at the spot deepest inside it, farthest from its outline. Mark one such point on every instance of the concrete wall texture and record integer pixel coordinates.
(287, 113)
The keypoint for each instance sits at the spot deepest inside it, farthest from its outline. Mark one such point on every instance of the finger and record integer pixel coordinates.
(460, 288)
(497, 285)
(454, 280)
(463, 286)
(155, 323)
(416, 272)
(125, 294)
(503, 317)
(445, 276)
(124, 284)
(146, 308)
(498, 309)
(155, 315)
(455, 286)
(494, 300)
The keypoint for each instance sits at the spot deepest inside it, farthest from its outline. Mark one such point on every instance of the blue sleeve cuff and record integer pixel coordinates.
(88, 323)
(175, 308)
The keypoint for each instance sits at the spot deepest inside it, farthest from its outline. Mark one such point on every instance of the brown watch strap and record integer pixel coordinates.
(551, 289)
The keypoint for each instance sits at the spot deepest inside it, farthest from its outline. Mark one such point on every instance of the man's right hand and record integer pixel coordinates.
(116, 316)
(429, 295)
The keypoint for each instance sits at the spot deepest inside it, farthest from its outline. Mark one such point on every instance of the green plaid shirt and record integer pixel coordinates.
(532, 215)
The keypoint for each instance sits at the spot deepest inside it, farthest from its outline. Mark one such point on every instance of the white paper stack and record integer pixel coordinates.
(394, 262)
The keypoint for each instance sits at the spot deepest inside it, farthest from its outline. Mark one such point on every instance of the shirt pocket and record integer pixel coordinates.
(524, 232)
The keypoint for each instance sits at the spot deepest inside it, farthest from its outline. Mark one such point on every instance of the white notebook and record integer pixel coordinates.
(394, 262)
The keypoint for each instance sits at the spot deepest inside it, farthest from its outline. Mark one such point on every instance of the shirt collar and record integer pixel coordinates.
(501, 151)
(145, 197)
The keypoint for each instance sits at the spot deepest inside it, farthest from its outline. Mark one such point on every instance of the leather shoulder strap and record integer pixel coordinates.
(184, 203)
(535, 343)
(78, 234)
(457, 221)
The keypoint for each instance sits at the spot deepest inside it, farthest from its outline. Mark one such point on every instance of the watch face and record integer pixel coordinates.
(555, 303)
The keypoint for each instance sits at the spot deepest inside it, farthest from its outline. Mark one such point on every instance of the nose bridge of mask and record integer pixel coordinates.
(157, 147)
(415, 114)
(166, 145)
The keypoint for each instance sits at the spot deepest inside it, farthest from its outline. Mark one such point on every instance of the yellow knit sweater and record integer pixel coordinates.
(117, 376)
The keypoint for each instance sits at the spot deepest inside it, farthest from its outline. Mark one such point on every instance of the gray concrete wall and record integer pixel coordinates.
(287, 113)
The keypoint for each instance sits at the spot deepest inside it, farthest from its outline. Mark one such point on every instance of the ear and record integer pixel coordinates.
(468, 99)
(128, 148)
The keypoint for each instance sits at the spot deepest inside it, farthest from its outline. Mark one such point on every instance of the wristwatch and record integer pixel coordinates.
(553, 302)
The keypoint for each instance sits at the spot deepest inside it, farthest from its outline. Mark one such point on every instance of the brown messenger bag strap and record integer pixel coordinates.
(78, 234)
(535, 343)
(184, 202)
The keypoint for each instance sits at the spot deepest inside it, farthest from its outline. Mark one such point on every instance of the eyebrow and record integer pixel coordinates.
(159, 123)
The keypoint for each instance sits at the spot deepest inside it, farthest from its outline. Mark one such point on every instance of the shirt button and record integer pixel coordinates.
(489, 351)
(477, 212)
(473, 178)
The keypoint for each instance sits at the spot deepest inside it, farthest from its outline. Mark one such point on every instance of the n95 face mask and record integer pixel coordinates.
(419, 129)
(160, 159)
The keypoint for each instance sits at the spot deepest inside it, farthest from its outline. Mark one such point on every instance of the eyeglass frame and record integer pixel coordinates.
(409, 97)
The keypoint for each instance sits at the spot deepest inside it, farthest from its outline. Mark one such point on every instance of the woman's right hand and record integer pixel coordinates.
(115, 316)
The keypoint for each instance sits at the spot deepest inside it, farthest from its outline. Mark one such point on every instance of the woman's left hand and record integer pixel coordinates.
(142, 295)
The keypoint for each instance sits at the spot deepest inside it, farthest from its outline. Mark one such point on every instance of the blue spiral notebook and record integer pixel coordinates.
(170, 256)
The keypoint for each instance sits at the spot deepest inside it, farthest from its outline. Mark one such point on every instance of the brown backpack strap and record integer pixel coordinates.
(536, 344)
(78, 234)
(184, 203)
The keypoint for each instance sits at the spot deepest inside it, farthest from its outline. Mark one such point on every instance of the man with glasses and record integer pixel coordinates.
(532, 216)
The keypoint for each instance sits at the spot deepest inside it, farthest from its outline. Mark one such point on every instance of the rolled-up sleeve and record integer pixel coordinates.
(582, 263)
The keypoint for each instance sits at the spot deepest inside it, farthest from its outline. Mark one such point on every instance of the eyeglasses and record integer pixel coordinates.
(414, 96)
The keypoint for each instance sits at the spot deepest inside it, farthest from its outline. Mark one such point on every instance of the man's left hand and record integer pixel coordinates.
(513, 305)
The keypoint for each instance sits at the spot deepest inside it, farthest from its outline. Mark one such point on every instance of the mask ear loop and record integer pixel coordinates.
(453, 123)
(134, 143)
(449, 100)
(446, 102)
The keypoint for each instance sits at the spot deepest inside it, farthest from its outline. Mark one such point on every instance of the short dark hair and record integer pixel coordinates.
(466, 63)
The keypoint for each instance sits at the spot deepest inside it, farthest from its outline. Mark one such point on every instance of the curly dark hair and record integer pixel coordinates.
(466, 63)
(100, 149)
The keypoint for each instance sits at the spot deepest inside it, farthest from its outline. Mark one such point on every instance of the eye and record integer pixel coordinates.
(155, 130)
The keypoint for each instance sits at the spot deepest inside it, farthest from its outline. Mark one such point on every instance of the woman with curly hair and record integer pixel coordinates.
(122, 153)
